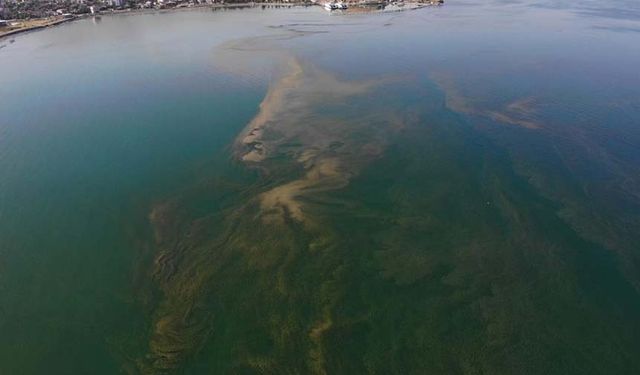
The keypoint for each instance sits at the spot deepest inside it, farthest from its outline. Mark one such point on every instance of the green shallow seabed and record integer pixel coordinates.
(436, 257)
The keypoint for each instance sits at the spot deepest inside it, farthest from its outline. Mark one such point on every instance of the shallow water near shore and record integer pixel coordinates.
(450, 190)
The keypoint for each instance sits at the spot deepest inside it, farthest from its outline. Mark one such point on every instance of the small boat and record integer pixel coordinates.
(330, 6)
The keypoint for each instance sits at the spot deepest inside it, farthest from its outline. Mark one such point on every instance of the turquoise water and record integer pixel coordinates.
(448, 190)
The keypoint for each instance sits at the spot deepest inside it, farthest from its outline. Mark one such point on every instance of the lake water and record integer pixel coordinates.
(450, 190)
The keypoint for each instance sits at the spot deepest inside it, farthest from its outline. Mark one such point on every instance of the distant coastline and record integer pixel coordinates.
(37, 24)
(42, 23)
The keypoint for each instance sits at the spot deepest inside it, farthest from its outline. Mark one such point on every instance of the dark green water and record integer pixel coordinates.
(452, 190)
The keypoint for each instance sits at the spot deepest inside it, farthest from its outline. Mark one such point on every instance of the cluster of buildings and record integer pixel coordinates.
(28, 9)
(32, 9)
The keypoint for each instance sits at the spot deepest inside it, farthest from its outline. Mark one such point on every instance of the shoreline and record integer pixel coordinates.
(9, 33)
(76, 17)
(372, 6)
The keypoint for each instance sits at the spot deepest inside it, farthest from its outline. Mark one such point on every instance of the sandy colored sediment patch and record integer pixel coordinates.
(325, 174)
(520, 112)
(291, 123)
(251, 137)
